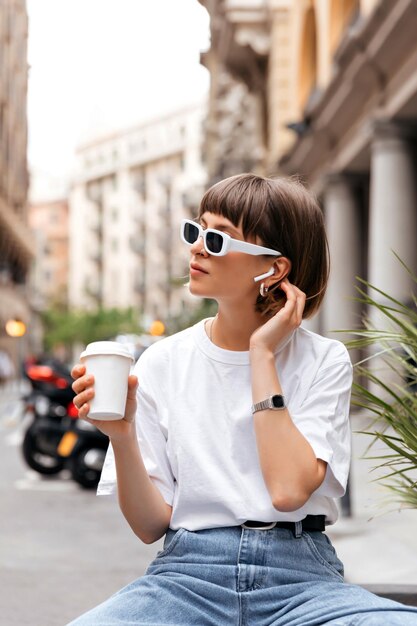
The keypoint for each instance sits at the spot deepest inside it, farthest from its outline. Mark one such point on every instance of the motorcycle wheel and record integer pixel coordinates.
(87, 477)
(37, 459)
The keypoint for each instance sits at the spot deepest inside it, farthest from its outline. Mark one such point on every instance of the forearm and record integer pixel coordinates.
(140, 500)
(289, 465)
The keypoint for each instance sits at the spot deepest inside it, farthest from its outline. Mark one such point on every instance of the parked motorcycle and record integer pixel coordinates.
(83, 447)
(55, 438)
(51, 408)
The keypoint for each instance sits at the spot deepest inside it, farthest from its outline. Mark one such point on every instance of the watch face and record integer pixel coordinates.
(278, 402)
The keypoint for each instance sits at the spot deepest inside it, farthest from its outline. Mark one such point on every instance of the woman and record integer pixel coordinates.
(236, 441)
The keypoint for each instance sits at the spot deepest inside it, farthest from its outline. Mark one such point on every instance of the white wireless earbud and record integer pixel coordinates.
(262, 276)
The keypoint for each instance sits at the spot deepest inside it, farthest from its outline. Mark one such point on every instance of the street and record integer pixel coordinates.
(62, 549)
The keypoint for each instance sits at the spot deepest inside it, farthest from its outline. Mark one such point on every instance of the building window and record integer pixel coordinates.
(114, 245)
(53, 216)
(114, 215)
(139, 182)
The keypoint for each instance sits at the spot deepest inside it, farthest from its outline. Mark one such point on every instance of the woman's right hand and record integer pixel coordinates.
(84, 388)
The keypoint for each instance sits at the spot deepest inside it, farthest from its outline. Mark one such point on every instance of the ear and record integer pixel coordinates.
(282, 268)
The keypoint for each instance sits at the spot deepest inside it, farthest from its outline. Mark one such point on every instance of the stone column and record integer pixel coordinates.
(392, 227)
(393, 209)
(344, 231)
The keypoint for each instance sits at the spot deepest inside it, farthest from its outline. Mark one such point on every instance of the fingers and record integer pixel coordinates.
(132, 381)
(78, 370)
(301, 302)
(291, 291)
(295, 300)
(82, 383)
(83, 387)
(83, 411)
(132, 385)
(82, 398)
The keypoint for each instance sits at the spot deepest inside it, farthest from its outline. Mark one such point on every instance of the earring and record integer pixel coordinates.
(263, 290)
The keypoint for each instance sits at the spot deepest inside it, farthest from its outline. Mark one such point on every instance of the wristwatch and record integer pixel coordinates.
(275, 402)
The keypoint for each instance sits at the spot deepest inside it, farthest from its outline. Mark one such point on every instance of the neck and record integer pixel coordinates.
(231, 329)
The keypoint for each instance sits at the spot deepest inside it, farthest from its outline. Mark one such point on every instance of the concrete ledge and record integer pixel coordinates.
(407, 594)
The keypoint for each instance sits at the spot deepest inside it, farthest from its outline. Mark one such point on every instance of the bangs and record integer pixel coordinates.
(235, 198)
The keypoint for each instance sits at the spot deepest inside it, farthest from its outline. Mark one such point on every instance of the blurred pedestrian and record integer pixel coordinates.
(7, 369)
(236, 442)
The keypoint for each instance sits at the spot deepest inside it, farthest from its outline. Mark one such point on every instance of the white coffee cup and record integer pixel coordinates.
(109, 362)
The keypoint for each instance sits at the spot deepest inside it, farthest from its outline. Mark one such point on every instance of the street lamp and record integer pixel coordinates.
(157, 328)
(17, 329)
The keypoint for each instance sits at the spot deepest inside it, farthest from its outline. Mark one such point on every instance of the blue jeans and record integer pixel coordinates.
(240, 577)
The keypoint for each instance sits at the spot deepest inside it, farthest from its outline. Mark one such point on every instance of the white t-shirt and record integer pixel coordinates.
(196, 431)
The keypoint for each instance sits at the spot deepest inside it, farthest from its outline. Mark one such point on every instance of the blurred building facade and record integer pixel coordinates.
(48, 221)
(126, 203)
(332, 86)
(16, 246)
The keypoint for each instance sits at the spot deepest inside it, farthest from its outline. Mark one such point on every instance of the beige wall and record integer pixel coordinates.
(16, 246)
(49, 224)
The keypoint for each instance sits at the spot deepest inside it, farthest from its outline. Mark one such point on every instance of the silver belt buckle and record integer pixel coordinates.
(260, 527)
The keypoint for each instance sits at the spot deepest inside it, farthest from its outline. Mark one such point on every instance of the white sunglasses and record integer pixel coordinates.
(218, 243)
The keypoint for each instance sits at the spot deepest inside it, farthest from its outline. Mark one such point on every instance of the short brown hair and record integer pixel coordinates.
(285, 216)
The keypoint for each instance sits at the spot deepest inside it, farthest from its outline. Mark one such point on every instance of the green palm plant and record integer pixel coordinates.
(390, 401)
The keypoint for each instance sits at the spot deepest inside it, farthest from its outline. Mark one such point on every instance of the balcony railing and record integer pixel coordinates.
(97, 258)
(137, 245)
(139, 286)
(95, 292)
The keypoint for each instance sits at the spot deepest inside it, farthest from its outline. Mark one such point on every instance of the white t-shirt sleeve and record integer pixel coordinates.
(152, 439)
(323, 419)
(153, 443)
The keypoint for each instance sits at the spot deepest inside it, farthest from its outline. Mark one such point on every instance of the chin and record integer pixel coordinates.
(197, 290)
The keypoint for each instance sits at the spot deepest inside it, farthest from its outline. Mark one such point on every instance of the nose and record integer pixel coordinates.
(198, 247)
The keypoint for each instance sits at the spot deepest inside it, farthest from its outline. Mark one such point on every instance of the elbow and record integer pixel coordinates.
(148, 539)
(288, 502)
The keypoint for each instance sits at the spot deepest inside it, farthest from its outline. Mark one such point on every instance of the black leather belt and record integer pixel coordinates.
(311, 522)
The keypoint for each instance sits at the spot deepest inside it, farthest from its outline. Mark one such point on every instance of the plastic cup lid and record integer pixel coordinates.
(106, 347)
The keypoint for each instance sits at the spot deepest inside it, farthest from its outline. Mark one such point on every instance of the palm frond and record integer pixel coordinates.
(390, 405)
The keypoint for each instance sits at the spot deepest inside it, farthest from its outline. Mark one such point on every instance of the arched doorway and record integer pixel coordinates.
(341, 14)
(308, 57)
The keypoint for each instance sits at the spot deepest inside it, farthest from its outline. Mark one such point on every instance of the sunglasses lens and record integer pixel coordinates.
(191, 232)
(214, 242)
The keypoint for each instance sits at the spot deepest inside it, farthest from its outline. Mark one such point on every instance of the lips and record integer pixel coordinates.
(197, 268)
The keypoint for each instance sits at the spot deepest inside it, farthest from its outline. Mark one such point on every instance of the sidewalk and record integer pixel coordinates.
(11, 405)
(378, 545)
